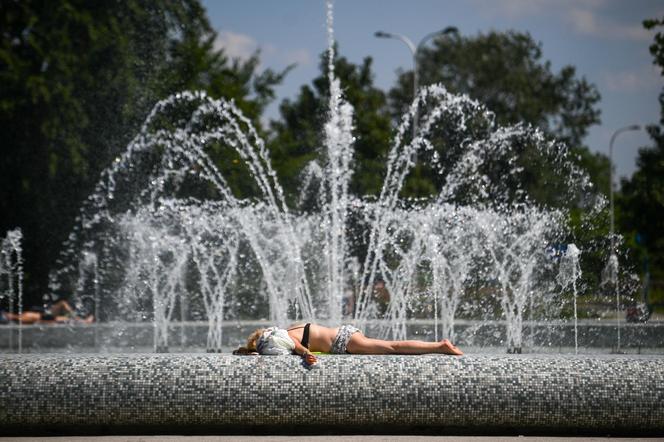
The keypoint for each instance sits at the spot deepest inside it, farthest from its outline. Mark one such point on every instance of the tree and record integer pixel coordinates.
(298, 136)
(505, 71)
(641, 198)
(78, 78)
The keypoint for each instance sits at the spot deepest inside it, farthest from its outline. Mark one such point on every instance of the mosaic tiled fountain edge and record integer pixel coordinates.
(475, 394)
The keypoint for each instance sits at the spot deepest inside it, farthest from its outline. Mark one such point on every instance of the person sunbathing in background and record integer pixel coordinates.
(306, 338)
(57, 313)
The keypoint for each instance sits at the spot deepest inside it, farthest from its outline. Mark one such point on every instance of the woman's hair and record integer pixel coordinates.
(253, 338)
(251, 343)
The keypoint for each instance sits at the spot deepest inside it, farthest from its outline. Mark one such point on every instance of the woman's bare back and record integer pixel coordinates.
(320, 338)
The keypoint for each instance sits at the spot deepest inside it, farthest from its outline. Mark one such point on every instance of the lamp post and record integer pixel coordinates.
(613, 258)
(414, 50)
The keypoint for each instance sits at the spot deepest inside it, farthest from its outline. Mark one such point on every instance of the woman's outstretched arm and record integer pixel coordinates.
(304, 352)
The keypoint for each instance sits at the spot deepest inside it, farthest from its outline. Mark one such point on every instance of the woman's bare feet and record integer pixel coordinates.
(449, 349)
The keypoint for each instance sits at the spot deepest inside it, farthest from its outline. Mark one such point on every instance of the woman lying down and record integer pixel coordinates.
(306, 338)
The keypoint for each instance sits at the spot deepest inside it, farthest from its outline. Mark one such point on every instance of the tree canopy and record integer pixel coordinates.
(641, 199)
(78, 78)
(506, 71)
(298, 135)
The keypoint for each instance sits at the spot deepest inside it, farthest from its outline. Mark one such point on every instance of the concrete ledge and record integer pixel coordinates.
(118, 335)
(186, 393)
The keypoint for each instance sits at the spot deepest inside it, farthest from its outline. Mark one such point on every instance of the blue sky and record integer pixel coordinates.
(603, 39)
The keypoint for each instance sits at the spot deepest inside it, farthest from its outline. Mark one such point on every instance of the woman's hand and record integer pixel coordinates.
(310, 359)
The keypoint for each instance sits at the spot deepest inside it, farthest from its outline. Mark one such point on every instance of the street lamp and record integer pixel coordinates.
(613, 258)
(414, 51)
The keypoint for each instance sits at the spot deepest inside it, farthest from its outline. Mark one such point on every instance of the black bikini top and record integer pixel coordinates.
(305, 335)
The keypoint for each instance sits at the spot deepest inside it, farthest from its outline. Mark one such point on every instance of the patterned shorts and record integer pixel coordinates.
(341, 340)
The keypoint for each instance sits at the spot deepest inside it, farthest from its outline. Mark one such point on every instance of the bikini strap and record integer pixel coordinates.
(305, 336)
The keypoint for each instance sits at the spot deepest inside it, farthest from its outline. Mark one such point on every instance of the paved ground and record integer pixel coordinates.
(325, 438)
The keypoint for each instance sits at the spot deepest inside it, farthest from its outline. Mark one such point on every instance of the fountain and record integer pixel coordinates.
(141, 223)
(164, 237)
(11, 278)
(568, 277)
(304, 259)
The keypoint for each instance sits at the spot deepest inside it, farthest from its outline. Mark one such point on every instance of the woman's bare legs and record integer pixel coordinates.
(62, 308)
(87, 320)
(360, 344)
(31, 317)
(25, 317)
(65, 313)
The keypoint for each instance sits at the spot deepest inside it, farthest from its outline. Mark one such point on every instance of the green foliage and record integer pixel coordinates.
(657, 47)
(298, 137)
(78, 78)
(640, 202)
(641, 199)
(505, 71)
